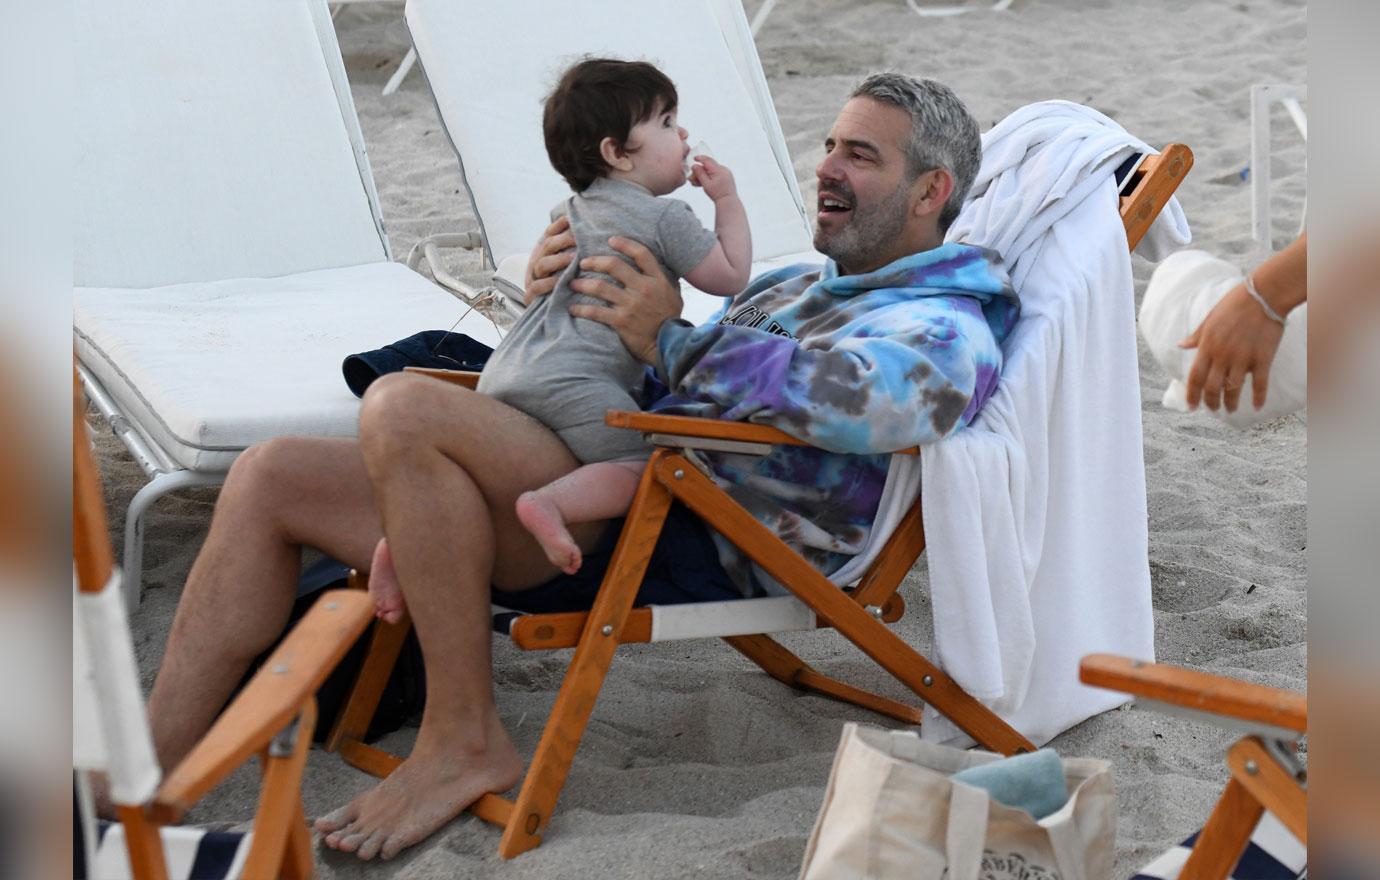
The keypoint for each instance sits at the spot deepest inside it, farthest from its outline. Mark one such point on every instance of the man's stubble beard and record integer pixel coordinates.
(867, 233)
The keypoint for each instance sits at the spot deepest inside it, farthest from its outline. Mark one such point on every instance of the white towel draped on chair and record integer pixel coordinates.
(1035, 515)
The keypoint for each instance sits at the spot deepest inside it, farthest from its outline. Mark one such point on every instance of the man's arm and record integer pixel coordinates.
(862, 395)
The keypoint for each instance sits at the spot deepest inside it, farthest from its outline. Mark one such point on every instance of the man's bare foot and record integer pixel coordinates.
(384, 588)
(543, 520)
(433, 786)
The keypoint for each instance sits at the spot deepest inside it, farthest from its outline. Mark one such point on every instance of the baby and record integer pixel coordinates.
(610, 130)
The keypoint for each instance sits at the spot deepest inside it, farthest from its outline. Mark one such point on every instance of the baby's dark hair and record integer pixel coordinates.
(595, 99)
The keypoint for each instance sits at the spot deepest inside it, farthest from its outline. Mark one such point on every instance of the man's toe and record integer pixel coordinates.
(334, 821)
(371, 846)
(349, 842)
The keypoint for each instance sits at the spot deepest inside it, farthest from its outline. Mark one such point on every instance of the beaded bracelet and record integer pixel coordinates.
(1255, 295)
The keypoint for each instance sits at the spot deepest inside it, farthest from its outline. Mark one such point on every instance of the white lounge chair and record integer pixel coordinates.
(490, 101)
(229, 248)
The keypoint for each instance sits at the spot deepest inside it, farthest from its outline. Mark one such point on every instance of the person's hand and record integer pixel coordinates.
(642, 300)
(554, 251)
(1236, 338)
(715, 179)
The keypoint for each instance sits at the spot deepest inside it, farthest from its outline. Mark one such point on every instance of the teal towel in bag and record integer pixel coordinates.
(1033, 782)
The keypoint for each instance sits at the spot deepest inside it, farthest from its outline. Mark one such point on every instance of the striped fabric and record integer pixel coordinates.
(1272, 854)
(191, 853)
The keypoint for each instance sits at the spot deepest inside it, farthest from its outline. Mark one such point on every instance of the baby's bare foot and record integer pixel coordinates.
(384, 588)
(543, 520)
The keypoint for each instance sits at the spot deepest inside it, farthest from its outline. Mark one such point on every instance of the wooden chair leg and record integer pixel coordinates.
(143, 844)
(280, 802)
(1225, 835)
(872, 637)
(786, 667)
(384, 646)
(585, 676)
(1270, 784)
(297, 860)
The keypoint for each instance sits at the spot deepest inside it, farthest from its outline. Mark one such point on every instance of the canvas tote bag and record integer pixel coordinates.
(891, 811)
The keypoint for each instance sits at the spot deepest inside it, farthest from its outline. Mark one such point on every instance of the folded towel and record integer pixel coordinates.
(1033, 782)
(1035, 521)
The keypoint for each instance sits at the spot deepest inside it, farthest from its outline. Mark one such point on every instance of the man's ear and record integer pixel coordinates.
(931, 191)
(614, 155)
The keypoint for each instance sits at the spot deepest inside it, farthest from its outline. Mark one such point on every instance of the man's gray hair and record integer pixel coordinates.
(943, 134)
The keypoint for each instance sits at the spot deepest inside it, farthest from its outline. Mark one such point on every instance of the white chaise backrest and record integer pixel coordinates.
(110, 729)
(491, 64)
(214, 141)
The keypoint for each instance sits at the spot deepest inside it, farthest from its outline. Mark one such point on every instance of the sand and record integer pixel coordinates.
(696, 764)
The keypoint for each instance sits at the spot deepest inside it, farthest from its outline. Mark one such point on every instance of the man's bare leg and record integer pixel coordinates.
(278, 496)
(448, 465)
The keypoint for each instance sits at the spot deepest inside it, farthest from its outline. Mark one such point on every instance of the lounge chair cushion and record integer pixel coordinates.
(207, 369)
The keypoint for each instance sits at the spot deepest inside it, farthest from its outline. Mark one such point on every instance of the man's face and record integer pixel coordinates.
(863, 208)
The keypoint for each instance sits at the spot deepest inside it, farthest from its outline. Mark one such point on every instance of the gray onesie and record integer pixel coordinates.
(566, 372)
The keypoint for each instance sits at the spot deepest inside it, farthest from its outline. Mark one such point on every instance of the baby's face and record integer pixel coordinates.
(657, 146)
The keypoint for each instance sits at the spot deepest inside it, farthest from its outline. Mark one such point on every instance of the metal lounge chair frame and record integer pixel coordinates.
(673, 473)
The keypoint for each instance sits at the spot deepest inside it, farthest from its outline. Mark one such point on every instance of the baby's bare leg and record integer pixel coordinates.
(384, 588)
(598, 491)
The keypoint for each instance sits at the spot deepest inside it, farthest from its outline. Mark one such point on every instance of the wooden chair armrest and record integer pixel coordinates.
(1199, 691)
(273, 697)
(1157, 179)
(709, 429)
(463, 378)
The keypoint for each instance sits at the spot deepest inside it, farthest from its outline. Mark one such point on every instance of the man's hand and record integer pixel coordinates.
(645, 300)
(553, 253)
(715, 179)
(1235, 339)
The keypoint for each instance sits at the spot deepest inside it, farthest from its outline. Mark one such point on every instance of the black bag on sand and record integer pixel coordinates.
(403, 696)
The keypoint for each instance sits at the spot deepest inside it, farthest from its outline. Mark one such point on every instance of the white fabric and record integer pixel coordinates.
(206, 369)
(1182, 291)
(180, 846)
(698, 620)
(212, 143)
(490, 68)
(105, 678)
(1035, 514)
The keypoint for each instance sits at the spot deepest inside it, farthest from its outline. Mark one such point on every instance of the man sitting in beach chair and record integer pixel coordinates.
(894, 342)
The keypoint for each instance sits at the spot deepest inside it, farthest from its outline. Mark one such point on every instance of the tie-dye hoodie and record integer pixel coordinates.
(856, 365)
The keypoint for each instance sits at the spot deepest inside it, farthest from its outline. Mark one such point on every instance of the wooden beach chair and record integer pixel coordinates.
(673, 473)
(229, 250)
(272, 718)
(1259, 827)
